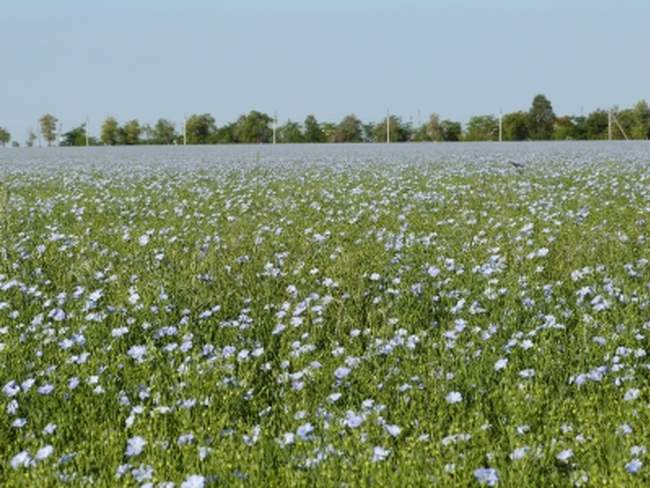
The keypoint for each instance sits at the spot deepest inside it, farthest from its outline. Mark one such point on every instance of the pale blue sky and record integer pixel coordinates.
(151, 58)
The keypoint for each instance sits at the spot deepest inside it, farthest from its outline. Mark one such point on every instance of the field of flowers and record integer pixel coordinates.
(385, 318)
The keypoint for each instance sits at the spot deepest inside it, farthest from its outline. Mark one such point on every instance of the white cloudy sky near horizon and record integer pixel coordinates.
(151, 59)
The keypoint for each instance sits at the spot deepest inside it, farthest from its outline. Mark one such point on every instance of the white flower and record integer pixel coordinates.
(379, 454)
(454, 397)
(633, 466)
(341, 372)
(375, 277)
(193, 481)
(305, 430)
(137, 353)
(43, 453)
(565, 455)
(500, 364)
(631, 394)
(143, 240)
(519, 453)
(22, 459)
(135, 446)
(393, 430)
(487, 476)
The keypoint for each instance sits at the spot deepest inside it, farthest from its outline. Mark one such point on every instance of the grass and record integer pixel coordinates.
(416, 278)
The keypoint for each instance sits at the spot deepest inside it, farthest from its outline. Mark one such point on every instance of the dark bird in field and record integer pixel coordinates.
(516, 165)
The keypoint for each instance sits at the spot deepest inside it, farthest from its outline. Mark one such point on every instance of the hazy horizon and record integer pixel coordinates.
(458, 59)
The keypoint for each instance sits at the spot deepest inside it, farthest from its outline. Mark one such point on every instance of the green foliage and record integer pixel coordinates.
(31, 138)
(349, 130)
(641, 126)
(451, 131)
(130, 133)
(5, 136)
(164, 132)
(515, 126)
(313, 131)
(254, 128)
(110, 133)
(48, 128)
(290, 132)
(200, 129)
(399, 132)
(75, 137)
(597, 124)
(541, 119)
(482, 128)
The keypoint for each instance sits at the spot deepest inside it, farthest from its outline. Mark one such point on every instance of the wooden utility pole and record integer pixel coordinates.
(609, 124)
(500, 126)
(387, 126)
(275, 126)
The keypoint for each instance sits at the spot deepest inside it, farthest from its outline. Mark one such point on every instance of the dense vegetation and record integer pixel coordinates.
(326, 323)
(538, 123)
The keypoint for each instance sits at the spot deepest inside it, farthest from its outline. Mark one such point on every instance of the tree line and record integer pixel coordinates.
(538, 123)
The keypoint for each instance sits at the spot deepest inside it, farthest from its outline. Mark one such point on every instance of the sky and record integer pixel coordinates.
(148, 59)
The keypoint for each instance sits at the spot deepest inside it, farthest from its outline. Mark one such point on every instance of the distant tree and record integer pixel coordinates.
(434, 132)
(579, 127)
(313, 130)
(482, 128)
(15, 144)
(564, 128)
(291, 133)
(398, 132)
(75, 137)
(597, 124)
(541, 119)
(367, 131)
(110, 133)
(254, 127)
(515, 126)
(641, 129)
(329, 131)
(225, 134)
(31, 138)
(5, 137)
(48, 128)
(200, 129)
(146, 134)
(163, 132)
(349, 130)
(130, 133)
(451, 131)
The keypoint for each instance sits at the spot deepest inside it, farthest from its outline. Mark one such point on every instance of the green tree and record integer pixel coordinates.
(225, 134)
(130, 133)
(313, 130)
(515, 126)
(329, 131)
(75, 137)
(349, 130)
(254, 127)
(110, 133)
(597, 124)
(200, 129)
(564, 128)
(398, 131)
(482, 128)
(541, 119)
(48, 128)
(163, 132)
(31, 138)
(5, 137)
(291, 133)
(451, 131)
(641, 129)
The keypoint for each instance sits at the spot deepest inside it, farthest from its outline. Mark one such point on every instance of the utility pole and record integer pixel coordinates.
(609, 124)
(275, 126)
(500, 126)
(387, 126)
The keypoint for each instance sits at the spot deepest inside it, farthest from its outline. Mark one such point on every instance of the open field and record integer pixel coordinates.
(421, 315)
